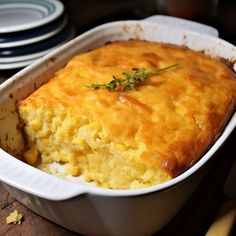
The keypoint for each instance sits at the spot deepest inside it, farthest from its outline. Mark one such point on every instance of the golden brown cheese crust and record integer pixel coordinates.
(177, 114)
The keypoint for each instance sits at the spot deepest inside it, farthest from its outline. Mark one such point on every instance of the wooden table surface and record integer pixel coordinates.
(192, 220)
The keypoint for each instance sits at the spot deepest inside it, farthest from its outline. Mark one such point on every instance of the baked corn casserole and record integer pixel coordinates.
(134, 137)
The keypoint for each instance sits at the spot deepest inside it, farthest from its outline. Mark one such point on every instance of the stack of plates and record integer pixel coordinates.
(29, 29)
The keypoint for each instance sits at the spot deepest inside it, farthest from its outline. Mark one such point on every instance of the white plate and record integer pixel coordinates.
(23, 61)
(18, 15)
(23, 41)
(37, 49)
(17, 65)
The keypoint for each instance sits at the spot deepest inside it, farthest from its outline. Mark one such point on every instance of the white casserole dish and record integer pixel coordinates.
(82, 207)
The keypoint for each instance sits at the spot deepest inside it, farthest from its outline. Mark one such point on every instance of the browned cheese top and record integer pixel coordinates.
(176, 113)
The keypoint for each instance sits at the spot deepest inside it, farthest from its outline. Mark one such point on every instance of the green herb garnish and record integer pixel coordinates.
(130, 81)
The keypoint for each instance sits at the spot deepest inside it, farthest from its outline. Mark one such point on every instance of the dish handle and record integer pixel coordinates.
(183, 23)
(26, 178)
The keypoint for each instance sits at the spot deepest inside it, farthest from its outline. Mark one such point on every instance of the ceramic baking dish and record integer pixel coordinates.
(82, 207)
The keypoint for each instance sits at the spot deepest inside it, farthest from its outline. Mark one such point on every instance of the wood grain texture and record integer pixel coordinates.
(32, 223)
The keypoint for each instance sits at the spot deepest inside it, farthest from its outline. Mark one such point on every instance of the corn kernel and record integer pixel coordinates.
(181, 110)
(47, 159)
(105, 185)
(93, 126)
(35, 125)
(62, 157)
(120, 147)
(43, 133)
(31, 155)
(72, 158)
(80, 143)
(73, 170)
(149, 174)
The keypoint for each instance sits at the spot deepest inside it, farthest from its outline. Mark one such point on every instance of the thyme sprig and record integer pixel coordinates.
(130, 81)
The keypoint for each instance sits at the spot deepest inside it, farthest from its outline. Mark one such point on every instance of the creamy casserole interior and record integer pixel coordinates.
(131, 139)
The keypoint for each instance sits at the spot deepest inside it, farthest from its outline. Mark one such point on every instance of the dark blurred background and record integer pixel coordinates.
(218, 13)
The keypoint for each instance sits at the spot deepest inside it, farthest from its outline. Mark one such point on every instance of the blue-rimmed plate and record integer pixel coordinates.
(36, 47)
(19, 15)
(21, 38)
(15, 62)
